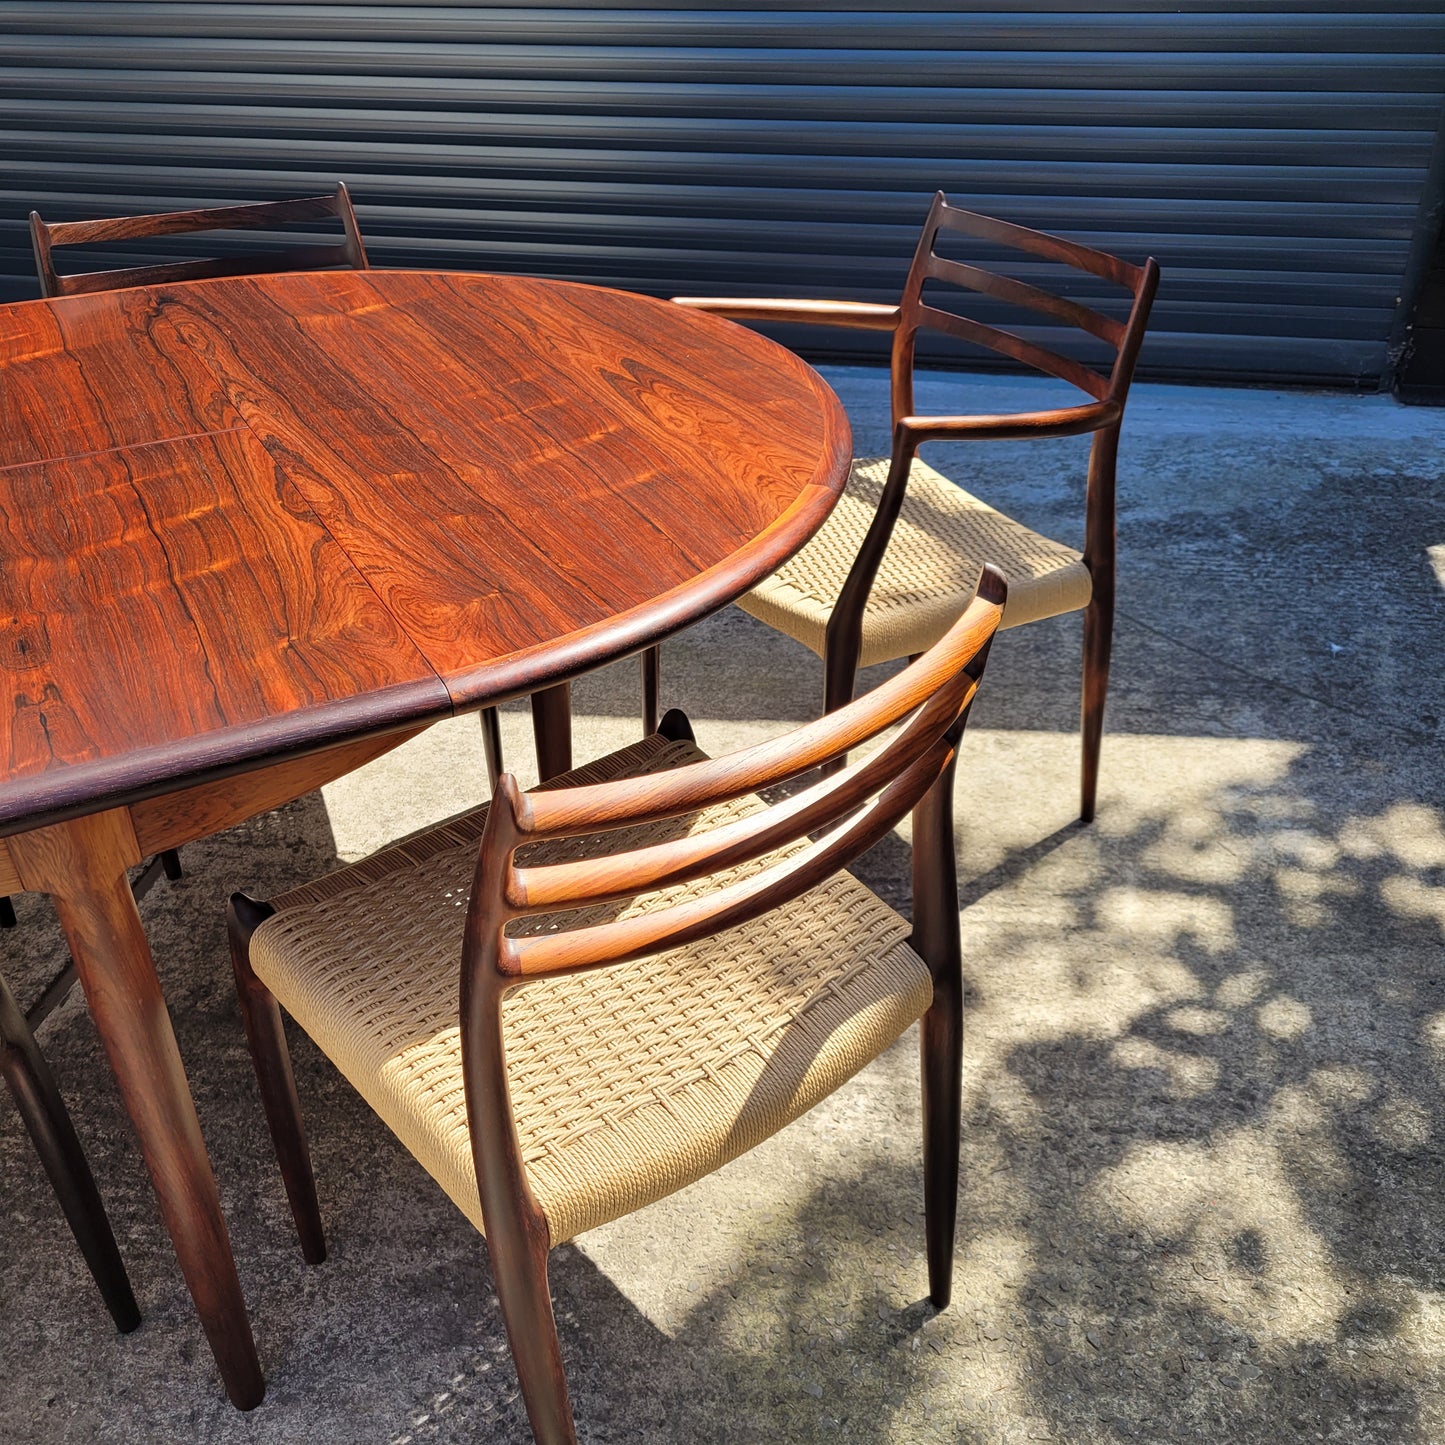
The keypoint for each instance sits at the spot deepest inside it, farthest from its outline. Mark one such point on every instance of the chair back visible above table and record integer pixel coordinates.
(349, 253)
(1124, 337)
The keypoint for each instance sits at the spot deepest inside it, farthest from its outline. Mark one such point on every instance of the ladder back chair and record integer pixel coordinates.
(44, 1115)
(348, 253)
(891, 567)
(657, 972)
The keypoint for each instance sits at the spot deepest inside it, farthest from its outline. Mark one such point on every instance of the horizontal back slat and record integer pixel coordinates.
(297, 258)
(965, 328)
(1020, 293)
(180, 223)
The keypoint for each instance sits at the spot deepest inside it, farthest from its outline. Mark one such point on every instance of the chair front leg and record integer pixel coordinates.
(265, 1032)
(936, 940)
(1098, 645)
(519, 1268)
(491, 745)
(552, 730)
(1100, 548)
(518, 1236)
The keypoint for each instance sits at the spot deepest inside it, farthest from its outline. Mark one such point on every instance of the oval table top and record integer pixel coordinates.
(251, 517)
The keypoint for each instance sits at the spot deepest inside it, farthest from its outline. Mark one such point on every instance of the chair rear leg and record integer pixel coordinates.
(171, 862)
(492, 744)
(1098, 644)
(7, 913)
(651, 689)
(266, 1034)
(552, 729)
(936, 940)
(519, 1267)
(49, 1126)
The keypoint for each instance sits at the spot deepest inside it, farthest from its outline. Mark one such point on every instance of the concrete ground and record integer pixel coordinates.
(1205, 1082)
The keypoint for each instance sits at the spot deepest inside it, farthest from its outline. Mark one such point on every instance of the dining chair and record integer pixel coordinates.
(891, 567)
(43, 1112)
(657, 970)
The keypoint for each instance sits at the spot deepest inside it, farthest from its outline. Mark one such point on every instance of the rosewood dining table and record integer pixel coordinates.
(256, 531)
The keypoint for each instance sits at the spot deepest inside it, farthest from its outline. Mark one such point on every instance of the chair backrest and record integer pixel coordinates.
(915, 314)
(264, 216)
(858, 805)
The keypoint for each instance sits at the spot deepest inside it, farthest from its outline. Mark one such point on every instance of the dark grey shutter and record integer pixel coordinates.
(1270, 153)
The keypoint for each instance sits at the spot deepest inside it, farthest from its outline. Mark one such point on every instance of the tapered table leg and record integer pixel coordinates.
(552, 729)
(82, 864)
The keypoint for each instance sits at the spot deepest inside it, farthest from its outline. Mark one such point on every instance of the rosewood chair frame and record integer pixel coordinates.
(1102, 415)
(48, 1123)
(843, 814)
(349, 253)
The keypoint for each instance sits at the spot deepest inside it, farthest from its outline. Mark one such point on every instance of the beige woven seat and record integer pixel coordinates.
(940, 542)
(657, 968)
(626, 1084)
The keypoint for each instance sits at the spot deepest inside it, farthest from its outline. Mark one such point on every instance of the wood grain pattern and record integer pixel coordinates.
(9, 873)
(97, 372)
(175, 607)
(585, 472)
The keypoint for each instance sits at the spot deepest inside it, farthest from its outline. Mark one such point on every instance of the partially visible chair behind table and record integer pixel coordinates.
(698, 973)
(33, 1088)
(895, 562)
(347, 253)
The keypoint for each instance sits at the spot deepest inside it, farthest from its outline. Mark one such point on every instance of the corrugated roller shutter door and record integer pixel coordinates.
(1270, 153)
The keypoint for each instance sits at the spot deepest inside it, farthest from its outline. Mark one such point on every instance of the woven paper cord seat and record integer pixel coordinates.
(628, 1082)
(941, 541)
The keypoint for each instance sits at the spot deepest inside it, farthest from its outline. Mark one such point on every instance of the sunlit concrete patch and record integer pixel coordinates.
(1413, 899)
(1283, 1017)
(1403, 1124)
(444, 769)
(1191, 1019)
(1338, 1084)
(1241, 989)
(1163, 917)
(1413, 832)
(1190, 1075)
(1248, 1245)
(1195, 845)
